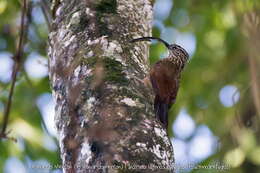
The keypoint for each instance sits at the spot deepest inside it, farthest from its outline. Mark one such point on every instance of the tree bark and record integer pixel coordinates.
(104, 113)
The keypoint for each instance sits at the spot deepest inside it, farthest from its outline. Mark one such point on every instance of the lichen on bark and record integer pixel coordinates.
(104, 113)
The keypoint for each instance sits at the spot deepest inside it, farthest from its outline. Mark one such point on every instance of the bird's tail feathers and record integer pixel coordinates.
(161, 111)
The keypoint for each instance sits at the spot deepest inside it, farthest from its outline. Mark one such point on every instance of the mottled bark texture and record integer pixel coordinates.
(104, 113)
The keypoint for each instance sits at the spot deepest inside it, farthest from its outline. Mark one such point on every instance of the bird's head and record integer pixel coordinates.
(178, 54)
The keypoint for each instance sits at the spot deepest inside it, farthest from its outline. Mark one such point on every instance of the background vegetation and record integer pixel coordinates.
(215, 121)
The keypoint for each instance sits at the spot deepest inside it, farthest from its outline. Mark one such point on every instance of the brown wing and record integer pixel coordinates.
(165, 81)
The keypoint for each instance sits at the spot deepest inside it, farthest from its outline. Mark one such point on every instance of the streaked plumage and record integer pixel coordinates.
(165, 78)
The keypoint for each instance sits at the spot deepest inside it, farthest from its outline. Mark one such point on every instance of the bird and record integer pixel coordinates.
(165, 77)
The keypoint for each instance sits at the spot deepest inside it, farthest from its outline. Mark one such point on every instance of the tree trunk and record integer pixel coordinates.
(104, 113)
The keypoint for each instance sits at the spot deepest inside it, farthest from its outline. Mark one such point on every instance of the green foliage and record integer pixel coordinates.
(26, 120)
(220, 59)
